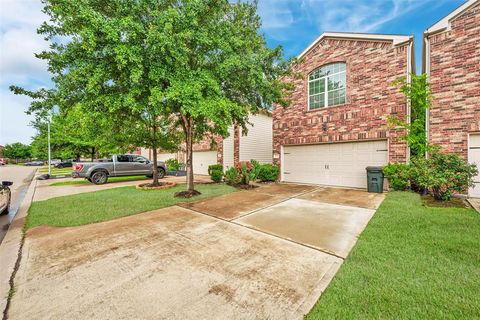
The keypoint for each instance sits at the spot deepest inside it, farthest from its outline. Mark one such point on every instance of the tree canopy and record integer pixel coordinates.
(162, 70)
(17, 151)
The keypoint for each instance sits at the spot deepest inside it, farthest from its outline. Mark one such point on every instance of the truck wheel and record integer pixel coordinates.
(161, 173)
(99, 177)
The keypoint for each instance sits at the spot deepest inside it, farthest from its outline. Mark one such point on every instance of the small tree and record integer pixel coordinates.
(417, 92)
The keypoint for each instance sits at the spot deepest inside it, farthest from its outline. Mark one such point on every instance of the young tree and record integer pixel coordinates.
(17, 151)
(417, 92)
(155, 66)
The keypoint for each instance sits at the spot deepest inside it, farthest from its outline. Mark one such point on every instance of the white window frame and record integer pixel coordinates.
(325, 93)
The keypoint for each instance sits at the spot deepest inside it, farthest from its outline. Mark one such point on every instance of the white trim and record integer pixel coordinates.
(445, 24)
(395, 39)
(282, 165)
(469, 134)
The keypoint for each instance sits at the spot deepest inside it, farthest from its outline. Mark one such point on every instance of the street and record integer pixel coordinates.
(21, 177)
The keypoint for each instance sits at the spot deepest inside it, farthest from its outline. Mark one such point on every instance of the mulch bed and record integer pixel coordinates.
(187, 194)
(431, 202)
(151, 186)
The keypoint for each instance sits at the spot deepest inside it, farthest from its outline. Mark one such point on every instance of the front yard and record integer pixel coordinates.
(411, 262)
(108, 204)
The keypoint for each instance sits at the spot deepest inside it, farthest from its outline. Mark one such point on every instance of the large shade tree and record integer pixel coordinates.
(161, 67)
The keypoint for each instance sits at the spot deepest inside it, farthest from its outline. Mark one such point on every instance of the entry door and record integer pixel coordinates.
(474, 157)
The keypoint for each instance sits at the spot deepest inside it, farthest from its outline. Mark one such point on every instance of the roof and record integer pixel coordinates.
(445, 23)
(396, 39)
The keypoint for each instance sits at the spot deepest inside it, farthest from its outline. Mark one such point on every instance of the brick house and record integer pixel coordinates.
(452, 62)
(256, 144)
(337, 122)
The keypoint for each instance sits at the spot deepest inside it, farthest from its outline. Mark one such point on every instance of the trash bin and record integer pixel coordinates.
(375, 179)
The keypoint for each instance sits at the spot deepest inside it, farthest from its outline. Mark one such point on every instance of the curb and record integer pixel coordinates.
(11, 246)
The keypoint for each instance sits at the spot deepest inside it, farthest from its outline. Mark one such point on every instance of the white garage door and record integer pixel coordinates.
(201, 161)
(166, 156)
(474, 157)
(336, 164)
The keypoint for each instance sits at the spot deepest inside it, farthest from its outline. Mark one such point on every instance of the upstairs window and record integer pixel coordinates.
(327, 86)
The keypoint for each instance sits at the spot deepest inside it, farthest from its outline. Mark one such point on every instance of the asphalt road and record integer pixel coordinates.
(21, 177)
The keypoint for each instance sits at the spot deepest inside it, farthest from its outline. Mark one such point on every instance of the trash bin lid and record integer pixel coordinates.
(374, 168)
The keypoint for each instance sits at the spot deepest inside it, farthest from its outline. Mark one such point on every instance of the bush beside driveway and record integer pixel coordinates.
(411, 262)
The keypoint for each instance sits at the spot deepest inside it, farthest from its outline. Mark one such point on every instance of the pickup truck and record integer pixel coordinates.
(117, 166)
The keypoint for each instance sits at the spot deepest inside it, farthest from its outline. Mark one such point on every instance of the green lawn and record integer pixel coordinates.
(109, 204)
(55, 171)
(411, 262)
(112, 179)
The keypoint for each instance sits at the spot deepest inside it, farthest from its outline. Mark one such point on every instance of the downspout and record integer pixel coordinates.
(426, 54)
(409, 81)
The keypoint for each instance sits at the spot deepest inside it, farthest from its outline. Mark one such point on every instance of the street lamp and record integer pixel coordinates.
(49, 149)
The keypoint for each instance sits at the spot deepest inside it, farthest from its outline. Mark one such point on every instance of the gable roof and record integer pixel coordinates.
(445, 23)
(396, 39)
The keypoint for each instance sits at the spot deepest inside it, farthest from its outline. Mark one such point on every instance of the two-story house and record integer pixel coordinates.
(336, 125)
(256, 144)
(452, 62)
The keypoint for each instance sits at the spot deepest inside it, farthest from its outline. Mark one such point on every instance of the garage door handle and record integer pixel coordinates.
(286, 173)
(382, 150)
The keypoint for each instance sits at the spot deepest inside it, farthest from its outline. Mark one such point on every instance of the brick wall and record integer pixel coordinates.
(371, 67)
(455, 83)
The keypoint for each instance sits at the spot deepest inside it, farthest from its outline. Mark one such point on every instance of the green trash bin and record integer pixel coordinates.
(375, 179)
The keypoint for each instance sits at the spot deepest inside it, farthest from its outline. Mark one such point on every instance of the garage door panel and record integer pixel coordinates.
(474, 158)
(201, 161)
(340, 164)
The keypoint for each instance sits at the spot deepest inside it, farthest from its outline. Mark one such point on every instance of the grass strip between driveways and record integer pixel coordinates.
(111, 179)
(411, 262)
(90, 207)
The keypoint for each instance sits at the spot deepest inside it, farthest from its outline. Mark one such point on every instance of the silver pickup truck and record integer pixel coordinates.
(117, 166)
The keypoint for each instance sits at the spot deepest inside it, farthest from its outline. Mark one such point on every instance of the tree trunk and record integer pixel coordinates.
(188, 130)
(92, 154)
(77, 157)
(155, 168)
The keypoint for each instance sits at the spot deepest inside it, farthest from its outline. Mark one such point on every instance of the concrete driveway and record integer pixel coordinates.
(223, 258)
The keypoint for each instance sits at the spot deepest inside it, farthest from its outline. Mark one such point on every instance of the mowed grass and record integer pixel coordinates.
(55, 171)
(109, 204)
(111, 179)
(411, 262)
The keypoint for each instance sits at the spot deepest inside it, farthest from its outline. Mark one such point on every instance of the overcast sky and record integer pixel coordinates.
(292, 23)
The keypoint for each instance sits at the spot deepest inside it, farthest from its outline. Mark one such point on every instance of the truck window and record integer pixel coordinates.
(122, 158)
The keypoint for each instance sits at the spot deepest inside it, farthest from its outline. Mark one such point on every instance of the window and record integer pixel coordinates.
(122, 158)
(327, 86)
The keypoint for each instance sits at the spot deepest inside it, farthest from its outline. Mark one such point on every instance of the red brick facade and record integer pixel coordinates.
(454, 73)
(371, 68)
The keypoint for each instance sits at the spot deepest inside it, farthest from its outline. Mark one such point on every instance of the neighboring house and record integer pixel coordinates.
(336, 125)
(256, 144)
(452, 62)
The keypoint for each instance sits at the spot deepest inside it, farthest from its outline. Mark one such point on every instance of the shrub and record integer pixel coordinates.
(268, 172)
(398, 175)
(216, 175)
(232, 177)
(248, 171)
(443, 174)
(215, 167)
(173, 164)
